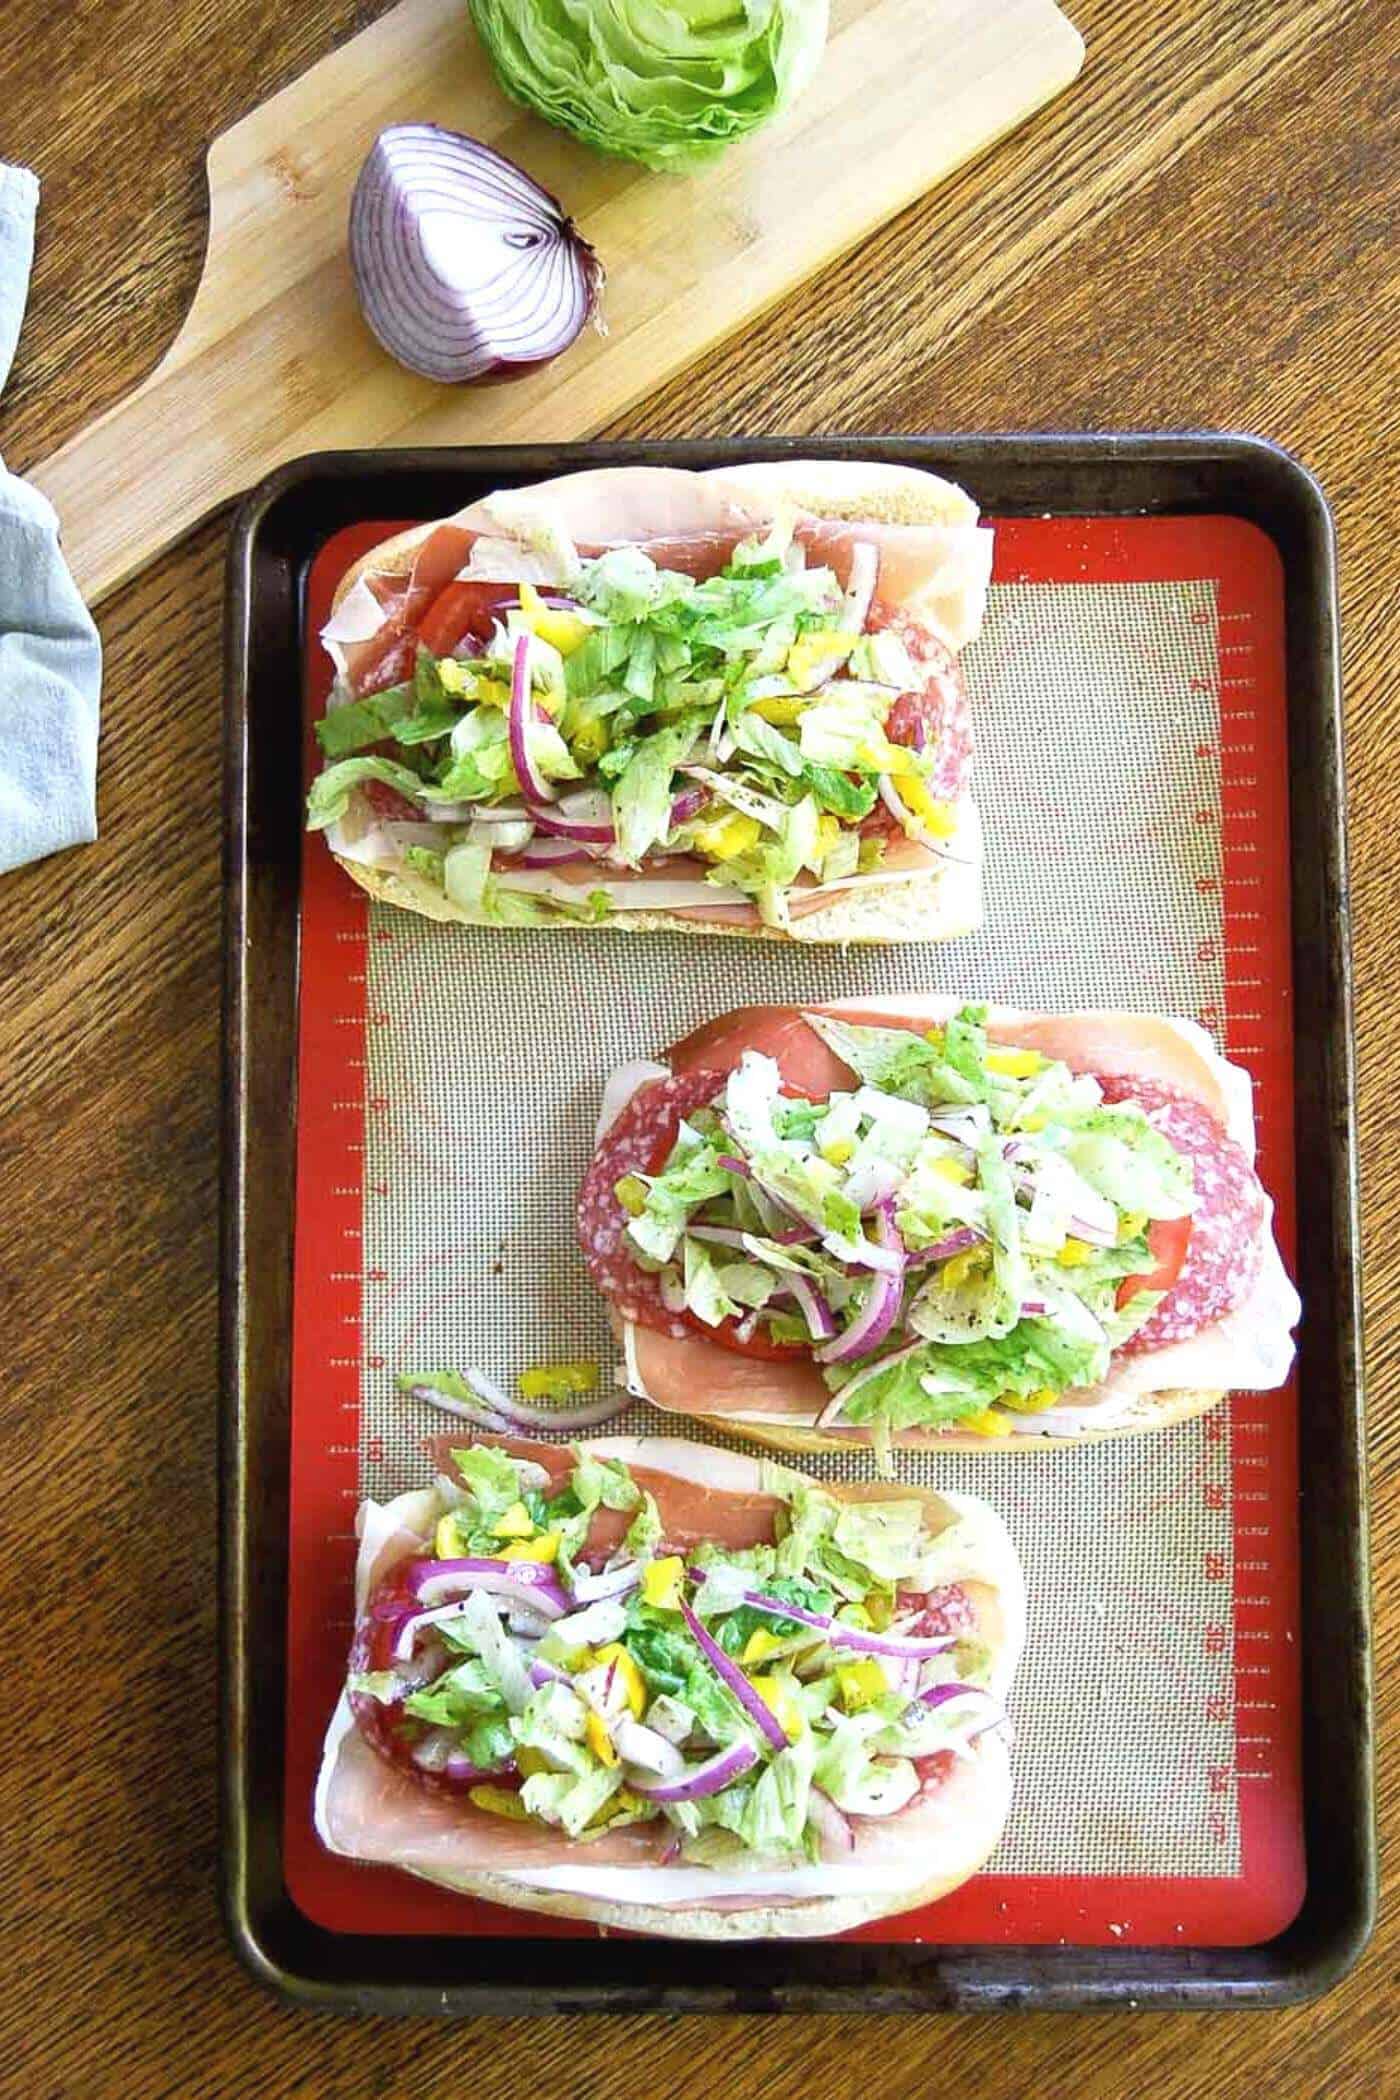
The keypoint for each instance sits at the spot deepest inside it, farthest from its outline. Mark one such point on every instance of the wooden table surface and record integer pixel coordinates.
(1201, 232)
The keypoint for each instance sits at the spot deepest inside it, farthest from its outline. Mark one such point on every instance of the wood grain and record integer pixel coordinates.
(1202, 233)
(273, 359)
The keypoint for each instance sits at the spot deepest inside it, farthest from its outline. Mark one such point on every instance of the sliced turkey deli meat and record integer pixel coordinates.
(641, 697)
(671, 1688)
(918, 1223)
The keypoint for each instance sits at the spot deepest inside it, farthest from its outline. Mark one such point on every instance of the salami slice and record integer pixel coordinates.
(1227, 1227)
(636, 1144)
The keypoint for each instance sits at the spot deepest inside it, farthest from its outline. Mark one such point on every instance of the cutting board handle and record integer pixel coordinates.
(199, 430)
(135, 480)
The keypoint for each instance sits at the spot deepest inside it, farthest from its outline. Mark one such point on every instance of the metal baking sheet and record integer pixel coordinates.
(1138, 1852)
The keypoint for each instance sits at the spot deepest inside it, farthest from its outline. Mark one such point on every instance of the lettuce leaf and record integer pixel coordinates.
(642, 796)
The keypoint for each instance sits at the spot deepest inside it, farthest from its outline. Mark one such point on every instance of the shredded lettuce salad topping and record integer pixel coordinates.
(951, 1239)
(740, 1695)
(739, 721)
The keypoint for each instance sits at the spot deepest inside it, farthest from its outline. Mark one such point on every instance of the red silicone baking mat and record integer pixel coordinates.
(1132, 775)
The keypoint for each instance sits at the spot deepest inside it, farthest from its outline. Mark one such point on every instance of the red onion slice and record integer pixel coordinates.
(611, 1582)
(533, 786)
(528, 1582)
(883, 1299)
(466, 269)
(903, 816)
(956, 1243)
(821, 1321)
(688, 805)
(551, 853)
(908, 1647)
(643, 1749)
(710, 1778)
(902, 1646)
(499, 1412)
(836, 1406)
(730, 1673)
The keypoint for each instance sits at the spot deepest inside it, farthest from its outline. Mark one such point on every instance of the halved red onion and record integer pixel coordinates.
(700, 1780)
(730, 1673)
(719, 1235)
(545, 1673)
(733, 1165)
(466, 269)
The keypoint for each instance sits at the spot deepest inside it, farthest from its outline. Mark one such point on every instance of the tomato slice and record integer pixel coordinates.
(727, 1336)
(1167, 1241)
(461, 611)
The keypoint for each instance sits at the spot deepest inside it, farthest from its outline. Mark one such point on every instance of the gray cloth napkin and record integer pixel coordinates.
(50, 657)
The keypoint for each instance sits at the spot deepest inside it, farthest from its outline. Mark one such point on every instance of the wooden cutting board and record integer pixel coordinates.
(273, 359)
